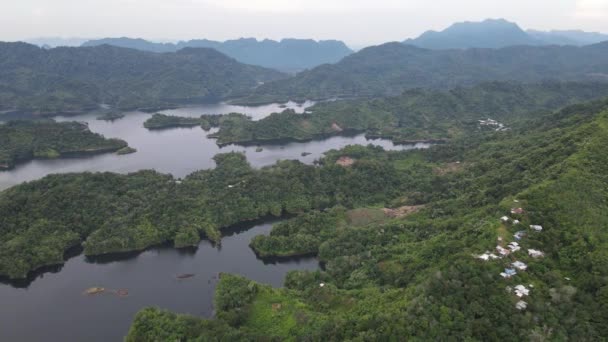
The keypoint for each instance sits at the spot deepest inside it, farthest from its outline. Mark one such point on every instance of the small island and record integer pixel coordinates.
(25, 140)
(126, 150)
(163, 121)
(111, 116)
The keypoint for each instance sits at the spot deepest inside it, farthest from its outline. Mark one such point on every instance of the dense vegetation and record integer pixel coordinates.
(389, 69)
(109, 213)
(286, 55)
(25, 140)
(414, 115)
(77, 79)
(111, 115)
(162, 121)
(417, 277)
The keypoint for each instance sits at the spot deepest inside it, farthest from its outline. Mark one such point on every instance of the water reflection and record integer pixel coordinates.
(178, 151)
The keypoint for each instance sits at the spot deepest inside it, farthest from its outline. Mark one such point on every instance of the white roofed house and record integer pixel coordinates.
(502, 251)
(508, 273)
(504, 219)
(536, 228)
(514, 246)
(519, 235)
(521, 290)
(519, 265)
(535, 253)
(521, 305)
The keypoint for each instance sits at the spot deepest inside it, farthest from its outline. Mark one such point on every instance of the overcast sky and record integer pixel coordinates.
(358, 22)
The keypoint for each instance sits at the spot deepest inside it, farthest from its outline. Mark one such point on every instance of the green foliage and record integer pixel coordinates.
(414, 278)
(415, 115)
(391, 68)
(162, 121)
(118, 213)
(111, 116)
(78, 79)
(25, 140)
(157, 325)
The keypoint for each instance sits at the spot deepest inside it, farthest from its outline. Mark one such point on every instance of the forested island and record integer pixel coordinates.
(111, 116)
(162, 121)
(25, 140)
(538, 189)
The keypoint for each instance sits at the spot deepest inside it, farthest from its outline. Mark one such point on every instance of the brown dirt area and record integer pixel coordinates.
(345, 161)
(402, 211)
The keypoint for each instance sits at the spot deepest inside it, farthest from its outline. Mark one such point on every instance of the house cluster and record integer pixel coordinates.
(494, 124)
(512, 247)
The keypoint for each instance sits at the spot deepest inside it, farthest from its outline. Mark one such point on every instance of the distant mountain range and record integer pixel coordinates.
(498, 33)
(391, 68)
(79, 78)
(287, 55)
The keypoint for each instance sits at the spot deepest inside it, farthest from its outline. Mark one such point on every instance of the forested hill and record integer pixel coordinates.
(287, 55)
(435, 274)
(391, 68)
(490, 33)
(497, 33)
(75, 79)
(415, 115)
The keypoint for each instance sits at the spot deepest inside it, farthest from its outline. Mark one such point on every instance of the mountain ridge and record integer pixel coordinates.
(499, 33)
(288, 54)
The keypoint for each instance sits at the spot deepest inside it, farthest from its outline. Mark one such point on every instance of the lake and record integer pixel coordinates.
(179, 151)
(51, 304)
(52, 307)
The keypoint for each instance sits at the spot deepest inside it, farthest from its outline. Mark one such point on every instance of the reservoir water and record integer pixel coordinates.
(179, 151)
(51, 306)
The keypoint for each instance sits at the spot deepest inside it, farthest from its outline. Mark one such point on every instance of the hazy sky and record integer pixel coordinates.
(358, 22)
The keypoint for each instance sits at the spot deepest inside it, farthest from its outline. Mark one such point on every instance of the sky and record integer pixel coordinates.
(357, 22)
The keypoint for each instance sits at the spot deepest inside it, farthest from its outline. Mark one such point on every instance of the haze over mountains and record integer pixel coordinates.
(75, 79)
(498, 33)
(286, 55)
(391, 68)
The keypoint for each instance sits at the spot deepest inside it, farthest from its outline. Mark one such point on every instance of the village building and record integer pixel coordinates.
(521, 291)
(514, 246)
(517, 211)
(519, 235)
(515, 221)
(521, 305)
(519, 265)
(502, 251)
(535, 253)
(504, 219)
(486, 256)
(508, 273)
(536, 228)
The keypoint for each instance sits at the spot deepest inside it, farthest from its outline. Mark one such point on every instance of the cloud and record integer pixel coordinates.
(306, 5)
(592, 9)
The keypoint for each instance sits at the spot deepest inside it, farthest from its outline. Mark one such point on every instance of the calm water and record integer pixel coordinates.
(178, 151)
(51, 307)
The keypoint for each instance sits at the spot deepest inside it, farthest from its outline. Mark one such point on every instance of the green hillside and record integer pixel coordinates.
(77, 79)
(391, 68)
(416, 115)
(419, 276)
